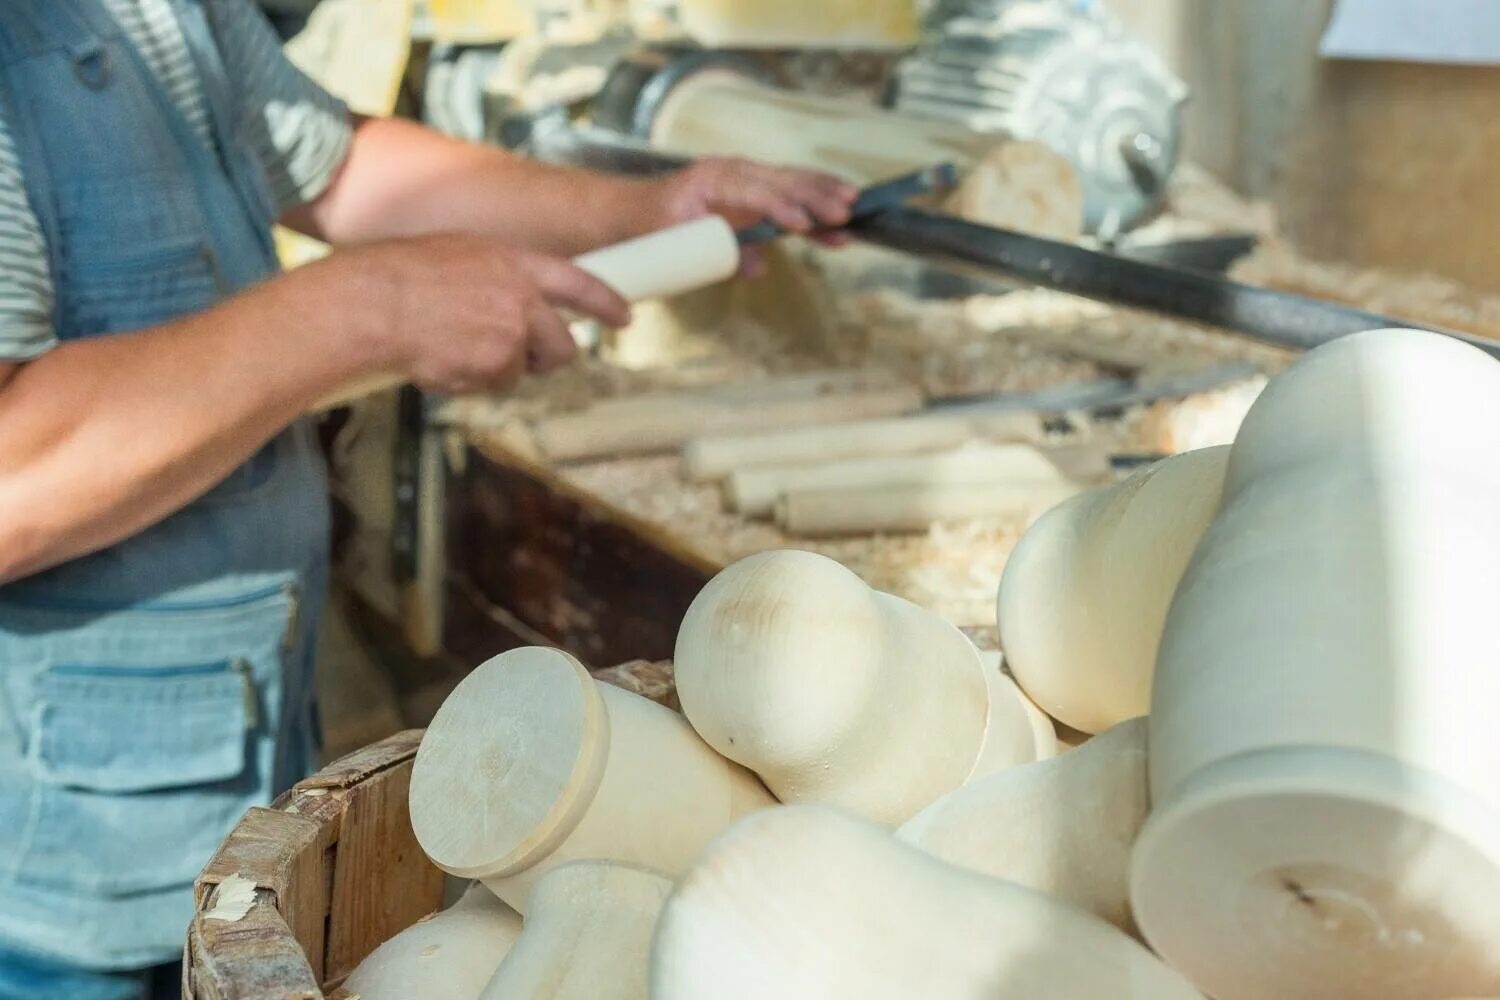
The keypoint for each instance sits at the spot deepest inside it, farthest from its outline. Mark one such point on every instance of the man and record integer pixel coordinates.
(162, 517)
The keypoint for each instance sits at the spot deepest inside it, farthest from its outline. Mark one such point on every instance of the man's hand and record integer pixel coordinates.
(467, 313)
(744, 192)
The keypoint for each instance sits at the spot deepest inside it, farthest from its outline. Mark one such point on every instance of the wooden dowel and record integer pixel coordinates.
(715, 457)
(754, 492)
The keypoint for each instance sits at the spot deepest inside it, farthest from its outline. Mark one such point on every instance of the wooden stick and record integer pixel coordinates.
(914, 508)
(754, 492)
(714, 457)
(656, 422)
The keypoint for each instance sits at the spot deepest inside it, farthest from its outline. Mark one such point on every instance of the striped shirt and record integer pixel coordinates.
(299, 132)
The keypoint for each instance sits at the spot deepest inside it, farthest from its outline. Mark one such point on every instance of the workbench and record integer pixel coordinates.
(603, 557)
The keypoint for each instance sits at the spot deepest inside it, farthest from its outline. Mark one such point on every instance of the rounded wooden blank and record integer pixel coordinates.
(807, 902)
(509, 764)
(1085, 593)
(1310, 873)
(1015, 731)
(450, 954)
(587, 936)
(1063, 826)
(1323, 747)
(832, 692)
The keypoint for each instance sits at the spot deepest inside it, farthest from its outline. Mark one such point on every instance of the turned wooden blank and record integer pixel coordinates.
(755, 492)
(715, 457)
(451, 954)
(803, 902)
(1323, 748)
(833, 692)
(717, 113)
(587, 937)
(530, 763)
(891, 509)
(1063, 826)
(1085, 593)
(654, 422)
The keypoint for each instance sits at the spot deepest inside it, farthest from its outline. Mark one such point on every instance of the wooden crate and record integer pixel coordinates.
(337, 871)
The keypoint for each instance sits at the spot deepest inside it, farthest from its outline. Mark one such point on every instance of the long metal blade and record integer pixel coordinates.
(1293, 321)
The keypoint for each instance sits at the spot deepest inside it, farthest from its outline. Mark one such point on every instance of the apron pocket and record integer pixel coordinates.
(147, 734)
(107, 729)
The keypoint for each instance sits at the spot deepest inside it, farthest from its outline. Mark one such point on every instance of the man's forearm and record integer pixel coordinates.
(402, 179)
(101, 438)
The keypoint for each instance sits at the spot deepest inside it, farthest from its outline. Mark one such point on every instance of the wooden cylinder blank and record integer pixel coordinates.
(657, 422)
(714, 457)
(530, 763)
(718, 112)
(671, 261)
(914, 508)
(754, 492)
(1007, 183)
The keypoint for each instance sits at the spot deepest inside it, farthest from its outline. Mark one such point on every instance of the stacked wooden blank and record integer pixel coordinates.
(892, 475)
(856, 806)
(584, 807)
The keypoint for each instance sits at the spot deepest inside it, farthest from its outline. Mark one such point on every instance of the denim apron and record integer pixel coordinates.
(151, 692)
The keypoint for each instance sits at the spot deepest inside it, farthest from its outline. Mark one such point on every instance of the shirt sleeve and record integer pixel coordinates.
(26, 296)
(300, 132)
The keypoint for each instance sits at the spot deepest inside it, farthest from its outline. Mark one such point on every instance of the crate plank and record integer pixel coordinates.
(382, 882)
(337, 870)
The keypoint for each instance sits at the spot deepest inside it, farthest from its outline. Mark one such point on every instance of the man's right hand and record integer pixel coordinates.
(465, 313)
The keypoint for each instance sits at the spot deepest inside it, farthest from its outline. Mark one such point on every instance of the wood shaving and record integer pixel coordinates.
(233, 899)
